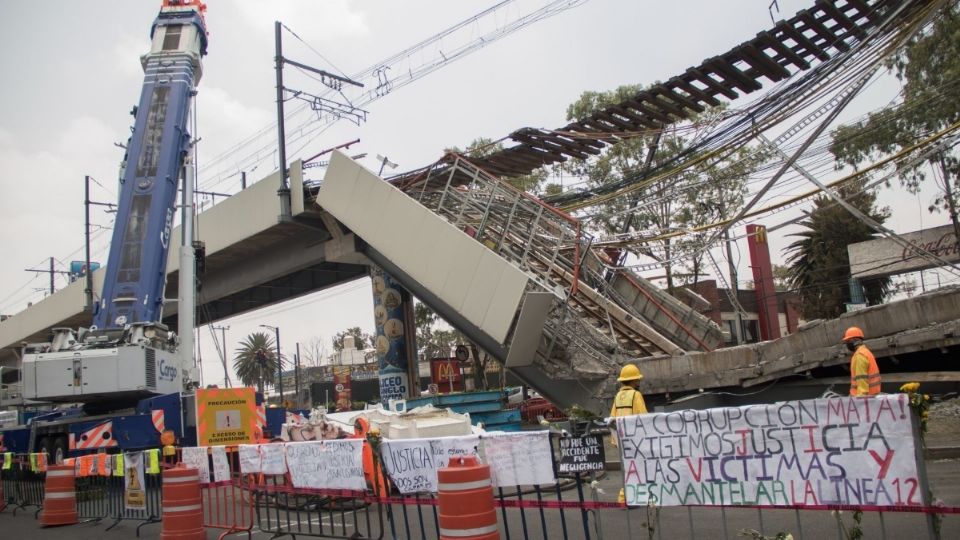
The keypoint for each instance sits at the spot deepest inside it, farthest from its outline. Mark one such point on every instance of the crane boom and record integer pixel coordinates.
(127, 354)
(136, 268)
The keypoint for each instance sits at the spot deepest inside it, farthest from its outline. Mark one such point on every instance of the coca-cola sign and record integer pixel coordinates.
(884, 257)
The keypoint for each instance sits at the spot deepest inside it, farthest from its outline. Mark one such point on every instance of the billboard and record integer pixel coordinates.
(884, 257)
(447, 374)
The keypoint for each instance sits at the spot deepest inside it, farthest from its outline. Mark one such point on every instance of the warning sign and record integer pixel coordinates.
(581, 454)
(226, 416)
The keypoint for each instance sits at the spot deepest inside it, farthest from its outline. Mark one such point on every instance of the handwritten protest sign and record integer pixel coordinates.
(581, 454)
(221, 467)
(272, 459)
(249, 458)
(336, 464)
(195, 457)
(413, 463)
(517, 459)
(850, 450)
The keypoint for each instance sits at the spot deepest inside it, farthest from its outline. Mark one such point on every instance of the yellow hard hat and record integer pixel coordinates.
(852, 332)
(630, 372)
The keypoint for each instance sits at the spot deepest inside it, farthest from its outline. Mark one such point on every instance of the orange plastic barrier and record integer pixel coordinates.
(182, 509)
(465, 500)
(60, 499)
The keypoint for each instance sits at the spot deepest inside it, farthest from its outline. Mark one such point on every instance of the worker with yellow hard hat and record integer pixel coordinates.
(864, 374)
(628, 401)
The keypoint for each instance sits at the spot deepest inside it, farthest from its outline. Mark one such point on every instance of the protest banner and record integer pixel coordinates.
(272, 459)
(195, 457)
(134, 489)
(837, 451)
(519, 459)
(249, 458)
(413, 463)
(326, 464)
(581, 454)
(221, 467)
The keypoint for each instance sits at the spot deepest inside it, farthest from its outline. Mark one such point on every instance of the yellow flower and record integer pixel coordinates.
(926, 397)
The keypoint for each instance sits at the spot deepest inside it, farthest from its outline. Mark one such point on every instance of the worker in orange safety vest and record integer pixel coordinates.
(864, 374)
(628, 402)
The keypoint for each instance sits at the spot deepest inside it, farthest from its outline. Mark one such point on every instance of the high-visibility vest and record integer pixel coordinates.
(872, 375)
(625, 404)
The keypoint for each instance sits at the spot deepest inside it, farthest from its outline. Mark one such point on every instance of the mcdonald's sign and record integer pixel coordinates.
(447, 374)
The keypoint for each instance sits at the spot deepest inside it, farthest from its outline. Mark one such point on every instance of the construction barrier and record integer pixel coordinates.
(465, 500)
(60, 498)
(93, 487)
(182, 509)
(534, 484)
(226, 505)
(23, 477)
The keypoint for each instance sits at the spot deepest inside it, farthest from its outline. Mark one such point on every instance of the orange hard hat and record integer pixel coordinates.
(853, 332)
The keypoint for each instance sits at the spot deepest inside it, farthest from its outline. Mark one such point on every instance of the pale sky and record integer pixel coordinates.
(72, 73)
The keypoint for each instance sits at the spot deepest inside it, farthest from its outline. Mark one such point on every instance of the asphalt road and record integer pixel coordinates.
(612, 523)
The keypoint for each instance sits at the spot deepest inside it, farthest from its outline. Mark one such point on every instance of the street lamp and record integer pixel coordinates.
(279, 361)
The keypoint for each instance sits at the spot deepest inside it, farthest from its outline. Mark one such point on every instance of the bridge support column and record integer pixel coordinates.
(395, 338)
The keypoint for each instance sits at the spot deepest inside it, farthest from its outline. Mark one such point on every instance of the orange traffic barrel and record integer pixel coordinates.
(60, 497)
(466, 501)
(182, 507)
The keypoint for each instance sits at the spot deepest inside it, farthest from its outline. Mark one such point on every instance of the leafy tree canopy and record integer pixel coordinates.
(255, 360)
(929, 70)
(818, 260)
(703, 193)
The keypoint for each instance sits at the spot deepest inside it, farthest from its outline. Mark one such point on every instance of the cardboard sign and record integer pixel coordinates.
(581, 454)
(226, 416)
(838, 451)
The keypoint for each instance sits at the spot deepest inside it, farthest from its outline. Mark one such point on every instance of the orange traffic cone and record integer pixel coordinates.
(182, 507)
(60, 497)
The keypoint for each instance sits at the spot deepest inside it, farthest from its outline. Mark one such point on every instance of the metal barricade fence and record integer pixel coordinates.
(93, 497)
(23, 483)
(282, 509)
(227, 505)
(117, 507)
(578, 506)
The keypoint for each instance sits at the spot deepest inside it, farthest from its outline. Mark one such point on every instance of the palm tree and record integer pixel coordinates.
(255, 360)
(819, 264)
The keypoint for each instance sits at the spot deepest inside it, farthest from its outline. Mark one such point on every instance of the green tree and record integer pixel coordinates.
(929, 70)
(665, 209)
(433, 340)
(361, 339)
(818, 260)
(256, 362)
